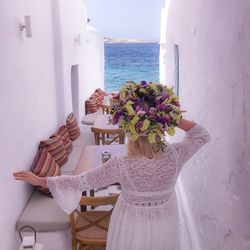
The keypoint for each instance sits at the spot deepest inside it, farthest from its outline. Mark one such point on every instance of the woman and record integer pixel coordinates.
(146, 215)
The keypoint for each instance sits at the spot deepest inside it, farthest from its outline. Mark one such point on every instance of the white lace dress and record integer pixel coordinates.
(146, 215)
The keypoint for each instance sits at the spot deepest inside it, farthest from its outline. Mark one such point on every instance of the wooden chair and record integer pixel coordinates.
(108, 136)
(89, 228)
(105, 108)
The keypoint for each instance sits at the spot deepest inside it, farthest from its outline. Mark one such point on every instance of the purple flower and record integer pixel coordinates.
(162, 119)
(153, 110)
(165, 96)
(137, 108)
(116, 97)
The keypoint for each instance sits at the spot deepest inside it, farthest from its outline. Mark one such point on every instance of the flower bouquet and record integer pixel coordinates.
(146, 109)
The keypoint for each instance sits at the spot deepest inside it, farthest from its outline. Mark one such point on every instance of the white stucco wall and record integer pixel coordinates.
(93, 72)
(35, 90)
(214, 42)
(82, 46)
(28, 103)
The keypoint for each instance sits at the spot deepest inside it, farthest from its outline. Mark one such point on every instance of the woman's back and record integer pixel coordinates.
(142, 174)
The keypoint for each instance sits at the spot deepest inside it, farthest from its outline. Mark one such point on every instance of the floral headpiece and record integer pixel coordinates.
(146, 109)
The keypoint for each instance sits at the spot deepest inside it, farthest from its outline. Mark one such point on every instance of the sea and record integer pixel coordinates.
(130, 61)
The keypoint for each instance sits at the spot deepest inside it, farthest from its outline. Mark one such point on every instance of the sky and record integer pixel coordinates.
(134, 19)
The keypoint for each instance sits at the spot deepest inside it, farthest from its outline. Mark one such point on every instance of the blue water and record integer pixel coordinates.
(130, 61)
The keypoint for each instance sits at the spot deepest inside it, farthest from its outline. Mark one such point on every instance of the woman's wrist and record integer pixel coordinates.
(43, 181)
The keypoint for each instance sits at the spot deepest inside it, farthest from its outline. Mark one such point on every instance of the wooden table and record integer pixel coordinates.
(91, 157)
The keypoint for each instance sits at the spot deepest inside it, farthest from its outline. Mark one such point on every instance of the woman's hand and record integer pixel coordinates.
(30, 178)
(186, 125)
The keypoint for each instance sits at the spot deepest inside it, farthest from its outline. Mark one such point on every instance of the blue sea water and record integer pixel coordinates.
(130, 61)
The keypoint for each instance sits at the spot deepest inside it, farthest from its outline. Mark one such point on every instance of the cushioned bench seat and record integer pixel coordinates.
(89, 119)
(78, 146)
(42, 213)
(69, 167)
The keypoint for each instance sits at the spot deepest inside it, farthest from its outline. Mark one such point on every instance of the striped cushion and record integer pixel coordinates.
(90, 106)
(63, 132)
(44, 165)
(72, 127)
(55, 147)
(100, 91)
(98, 99)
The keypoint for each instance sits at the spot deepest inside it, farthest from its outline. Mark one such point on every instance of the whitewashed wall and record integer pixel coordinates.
(35, 90)
(94, 62)
(214, 42)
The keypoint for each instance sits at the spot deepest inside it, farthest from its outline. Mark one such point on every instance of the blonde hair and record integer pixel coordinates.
(142, 147)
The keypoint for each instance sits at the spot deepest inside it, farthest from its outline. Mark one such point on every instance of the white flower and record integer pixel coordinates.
(141, 112)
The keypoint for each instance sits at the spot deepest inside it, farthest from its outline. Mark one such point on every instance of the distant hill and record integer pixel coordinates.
(125, 40)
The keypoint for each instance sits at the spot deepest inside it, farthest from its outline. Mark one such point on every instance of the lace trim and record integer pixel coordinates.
(154, 210)
(68, 182)
(198, 131)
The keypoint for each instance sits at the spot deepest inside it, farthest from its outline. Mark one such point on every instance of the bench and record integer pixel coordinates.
(101, 108)
(89, 119)
(42, 213)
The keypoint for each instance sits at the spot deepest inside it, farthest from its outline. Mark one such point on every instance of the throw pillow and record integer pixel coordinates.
(100, 91)
(90, 106)
(55, 147)
(99, 99)
(44, 165)
(63, 132)
(72, 127)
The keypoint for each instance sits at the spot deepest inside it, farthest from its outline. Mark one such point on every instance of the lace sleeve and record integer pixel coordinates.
(67, 190)
(194, 139)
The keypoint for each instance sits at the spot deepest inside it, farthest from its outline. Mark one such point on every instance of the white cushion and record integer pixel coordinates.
(70, 165)
(85, 138)
(42, 213)
(89, 119)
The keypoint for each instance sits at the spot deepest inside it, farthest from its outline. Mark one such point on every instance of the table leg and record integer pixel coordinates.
(83, 208)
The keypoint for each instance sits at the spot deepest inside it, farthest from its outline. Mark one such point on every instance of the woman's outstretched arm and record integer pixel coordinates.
(30, 178)
(67, 189)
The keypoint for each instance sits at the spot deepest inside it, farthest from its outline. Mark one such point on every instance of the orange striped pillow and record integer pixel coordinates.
(100, 91)
(90, 106)
(98, 99)
(55, 147)
(72, 127)
(63, 132)
(44, 165)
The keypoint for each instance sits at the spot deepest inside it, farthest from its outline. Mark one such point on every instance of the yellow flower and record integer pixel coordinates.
(171, 131)
(142, 90)
(135, 120)
(170, 99)
(129, 108)
(151, 137)
(145, 125)
(131, 128)
(134, 136)
(153, 86)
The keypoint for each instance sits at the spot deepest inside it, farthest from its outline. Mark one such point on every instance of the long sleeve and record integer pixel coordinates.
(67, 190)
(194, 139)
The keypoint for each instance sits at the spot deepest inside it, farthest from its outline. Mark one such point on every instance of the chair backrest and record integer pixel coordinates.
(105, 108)
(108, 136)
(90, 227)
